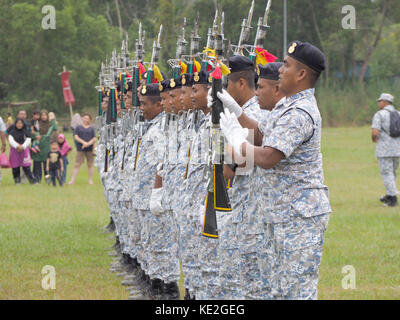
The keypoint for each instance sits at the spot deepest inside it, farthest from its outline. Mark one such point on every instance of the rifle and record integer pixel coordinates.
(261, 34)
(217, 195)
(194, 45)
(155, 55)
(150, 75)
(245, 32)
(180, 52)
(139, 56)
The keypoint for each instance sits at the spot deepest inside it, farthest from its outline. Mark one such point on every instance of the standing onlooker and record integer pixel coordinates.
(10, 119)
(20, 140)
(64, 149)
(54, 164)
(3, 138)
(85, 138)
(2, 135)
(46, 126)
(387, 148)
(35, 121)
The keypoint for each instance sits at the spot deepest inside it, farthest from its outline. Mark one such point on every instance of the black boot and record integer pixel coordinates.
(187, 295)
(171, 291)
(391, 202)
(156, 289)
(384, 199)
(17, 180)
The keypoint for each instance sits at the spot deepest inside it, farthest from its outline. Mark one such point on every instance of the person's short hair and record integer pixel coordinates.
(21, 110)
(154, 99)
(247, 75)
(87, 114)
(53, 142)
(36, 111)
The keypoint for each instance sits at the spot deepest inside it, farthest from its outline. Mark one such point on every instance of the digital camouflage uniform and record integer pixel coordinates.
(165, 227)
(239, 233)
(195, 187)
(387, 149)
(293, 200)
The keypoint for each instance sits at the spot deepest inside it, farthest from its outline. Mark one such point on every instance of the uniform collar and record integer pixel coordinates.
(286, 102)
(156, 118)
(389, 107)
(251, 102)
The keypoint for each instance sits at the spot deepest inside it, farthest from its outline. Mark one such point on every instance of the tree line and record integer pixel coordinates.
(88, 30)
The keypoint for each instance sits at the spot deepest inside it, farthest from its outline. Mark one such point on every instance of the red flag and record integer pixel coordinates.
(68, 95)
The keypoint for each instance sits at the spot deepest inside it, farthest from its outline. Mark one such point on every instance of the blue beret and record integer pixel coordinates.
(202, 77)
(307, 54)
(240, 63)
(187, 80)
(175, 83)
(150, 90)
(164, 85)
(270, 71)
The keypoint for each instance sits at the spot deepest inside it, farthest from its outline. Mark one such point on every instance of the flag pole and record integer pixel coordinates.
(70, 104)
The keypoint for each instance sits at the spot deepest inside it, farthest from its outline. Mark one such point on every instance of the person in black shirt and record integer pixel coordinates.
(54, 165)
(85, 138)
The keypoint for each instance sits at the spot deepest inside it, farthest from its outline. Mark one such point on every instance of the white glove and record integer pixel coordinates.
(227, 101)
(234, 133)
(160, 170)
(155, 201)
(209, 99)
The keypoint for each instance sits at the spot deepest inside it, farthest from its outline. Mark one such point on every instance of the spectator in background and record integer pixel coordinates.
(10, 120)
(85, 138)
(3, 138)
(54, 165)
(64, 149)
(23, 115)
(20, 140)
(35, 121)
(76, 121)
(47, 125)
(387, 148)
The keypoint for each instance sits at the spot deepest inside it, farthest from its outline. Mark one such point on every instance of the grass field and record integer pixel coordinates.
(41, 225)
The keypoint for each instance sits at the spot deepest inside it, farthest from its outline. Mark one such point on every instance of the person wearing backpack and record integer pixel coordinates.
(386, 134)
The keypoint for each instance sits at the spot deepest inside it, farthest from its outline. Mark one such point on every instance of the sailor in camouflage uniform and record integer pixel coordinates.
(238, 239)
(293, 198)
(387, 148)
(195, 190)
(164, 228)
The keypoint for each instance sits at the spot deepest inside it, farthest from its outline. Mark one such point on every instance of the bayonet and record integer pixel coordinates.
(262, 28)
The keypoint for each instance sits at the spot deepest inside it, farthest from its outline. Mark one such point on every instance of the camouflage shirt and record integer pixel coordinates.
(386, 145)
(294, 186)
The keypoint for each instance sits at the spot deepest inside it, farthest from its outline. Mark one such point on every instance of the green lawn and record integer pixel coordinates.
(42, 225)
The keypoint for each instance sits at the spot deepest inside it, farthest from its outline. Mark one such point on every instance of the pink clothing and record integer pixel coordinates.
(65, 147)
(20, 159)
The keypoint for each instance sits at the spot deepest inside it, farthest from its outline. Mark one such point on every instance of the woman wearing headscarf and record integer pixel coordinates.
(46, 126)
(20, 140)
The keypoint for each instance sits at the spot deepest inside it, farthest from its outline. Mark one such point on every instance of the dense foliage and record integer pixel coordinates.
(87, 31)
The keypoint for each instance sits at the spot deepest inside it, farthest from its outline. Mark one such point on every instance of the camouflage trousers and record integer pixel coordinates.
(290, 258)
(134, 219)
(190, 247)
(143, 254)
(209, 266)
(163, 247)
(124, 237)
(387, 168)
(238, 250)
(229, 257)
(250, 246)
